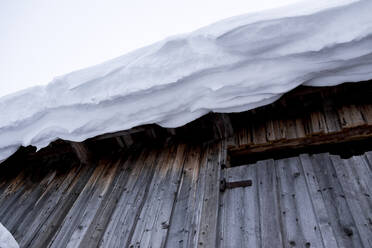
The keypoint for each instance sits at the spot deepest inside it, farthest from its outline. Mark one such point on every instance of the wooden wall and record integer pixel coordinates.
(170, 197)
(315, 200)
(146, 198)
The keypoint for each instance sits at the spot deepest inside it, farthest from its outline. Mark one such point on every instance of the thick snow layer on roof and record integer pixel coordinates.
(6, 239)
(233, 65)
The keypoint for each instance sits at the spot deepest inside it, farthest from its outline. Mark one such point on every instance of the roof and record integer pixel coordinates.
(165, 189)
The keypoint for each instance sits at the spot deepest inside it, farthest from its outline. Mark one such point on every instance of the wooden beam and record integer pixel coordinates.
(81, 151)
(310, 142)
(122, 133)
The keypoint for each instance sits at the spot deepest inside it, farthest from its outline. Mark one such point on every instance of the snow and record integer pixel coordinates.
(6, 239)
(231, 66)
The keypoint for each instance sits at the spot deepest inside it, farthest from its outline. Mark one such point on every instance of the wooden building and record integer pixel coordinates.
(295, 173)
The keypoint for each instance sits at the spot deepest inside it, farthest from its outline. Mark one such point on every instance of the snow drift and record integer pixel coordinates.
(231, 66)
(6, 239)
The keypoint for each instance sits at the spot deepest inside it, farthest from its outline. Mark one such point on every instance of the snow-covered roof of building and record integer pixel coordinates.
(231, 66)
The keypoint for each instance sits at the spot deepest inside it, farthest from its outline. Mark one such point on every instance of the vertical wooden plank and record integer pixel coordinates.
(233, 225)
(331, 119)
(359, 204)
(307, 124)
(368, 156)
(291, 129)
(102, 189)
(338, 210)
(120, 142)
(3, 185)
(125, 216)
(77, 211)
(193, 237)
(223, 125)
(320, 210)
(292, 233)
(221, 212)
(344, 116)
(10, 197)
(271, 235)
(109, 203)
(182, 223)
(356, 116)
(366, 110)
(165, 213)
(242, 137)
(251, 212)
(25, 203)
(270, 132)
(223, 155)
(362, 173)
(81, 151)
(151, 204)
(317, 122)
(207, 233)
(304, 206)
(248, 139)
(44, 236)
(128, 140)
(240, 225)
(300, 129)
(350, 116)
(259, 133)
(228, 127)
(154, 221)
(280, 129)
(11, 189)
(298, 216)
(44, 207)
(13, 195)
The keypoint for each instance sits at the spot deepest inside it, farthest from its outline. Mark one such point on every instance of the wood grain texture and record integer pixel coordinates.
(170, 197)
(316, 200)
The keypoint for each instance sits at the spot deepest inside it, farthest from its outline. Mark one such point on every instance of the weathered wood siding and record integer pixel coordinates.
(149, 198)
(170, 197)
(306, 201)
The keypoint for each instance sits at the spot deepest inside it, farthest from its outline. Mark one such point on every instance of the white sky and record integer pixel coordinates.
(41, 39)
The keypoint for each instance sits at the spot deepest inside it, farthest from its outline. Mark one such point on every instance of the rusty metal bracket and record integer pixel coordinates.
(230, 185)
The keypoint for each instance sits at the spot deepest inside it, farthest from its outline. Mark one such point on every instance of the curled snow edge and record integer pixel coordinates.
(231, 66)
(6, 239)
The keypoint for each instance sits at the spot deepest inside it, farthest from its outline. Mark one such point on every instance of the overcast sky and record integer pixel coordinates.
(41, 39)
